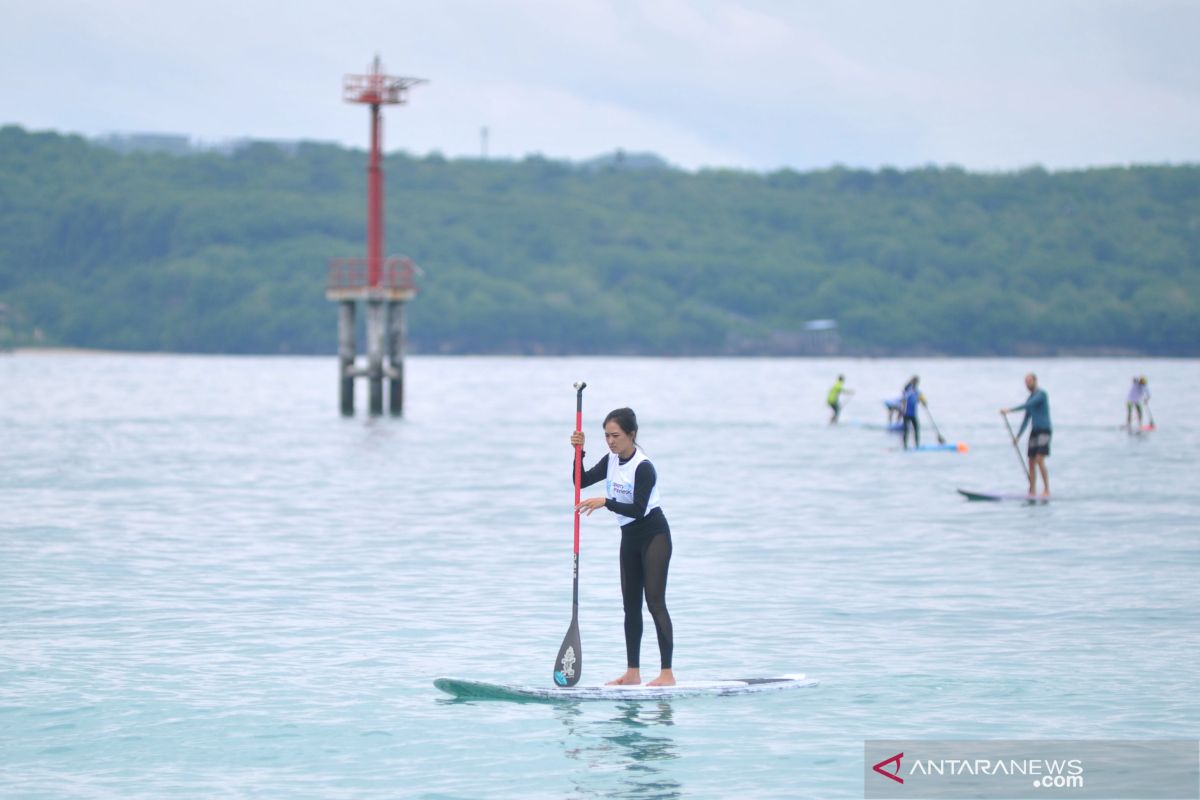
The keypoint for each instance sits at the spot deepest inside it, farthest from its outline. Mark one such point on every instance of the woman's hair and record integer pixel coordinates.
(626, 420)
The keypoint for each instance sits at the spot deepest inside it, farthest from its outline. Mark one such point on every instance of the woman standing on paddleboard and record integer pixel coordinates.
(631, 492)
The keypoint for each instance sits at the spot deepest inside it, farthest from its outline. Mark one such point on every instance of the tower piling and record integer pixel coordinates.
(395, 352)
(347, 348)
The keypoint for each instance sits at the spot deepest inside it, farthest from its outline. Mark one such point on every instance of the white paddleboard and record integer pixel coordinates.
(464, 689)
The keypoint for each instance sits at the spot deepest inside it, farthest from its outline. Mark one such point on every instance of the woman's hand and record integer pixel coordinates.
(577, 439)
(586, 507)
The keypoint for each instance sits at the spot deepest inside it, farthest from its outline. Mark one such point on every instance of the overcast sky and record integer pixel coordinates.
(760, 84)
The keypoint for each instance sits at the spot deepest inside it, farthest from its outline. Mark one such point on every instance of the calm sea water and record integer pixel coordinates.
(211, 585)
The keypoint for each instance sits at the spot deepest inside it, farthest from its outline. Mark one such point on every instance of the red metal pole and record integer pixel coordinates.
(375, 202)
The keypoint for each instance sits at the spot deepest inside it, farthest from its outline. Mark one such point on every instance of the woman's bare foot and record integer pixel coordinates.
(665, 678)
(632, 677)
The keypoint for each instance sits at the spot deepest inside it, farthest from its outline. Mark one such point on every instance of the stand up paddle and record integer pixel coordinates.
(568, 664)
(994, 496)
(941, 439)
(1150, 413)
(1016, 447)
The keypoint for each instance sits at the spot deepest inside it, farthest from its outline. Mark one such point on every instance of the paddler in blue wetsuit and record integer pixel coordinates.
(1037, 412)
(909, 404)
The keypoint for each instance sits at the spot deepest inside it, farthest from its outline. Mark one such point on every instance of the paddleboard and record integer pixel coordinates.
(463, 689)
(948, 447)
(998, 496)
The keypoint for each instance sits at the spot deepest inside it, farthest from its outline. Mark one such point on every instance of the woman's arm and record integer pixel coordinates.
(643, 482)
(594, 475)
(587, 476)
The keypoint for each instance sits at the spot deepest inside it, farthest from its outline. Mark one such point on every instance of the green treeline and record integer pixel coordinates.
(217, 253)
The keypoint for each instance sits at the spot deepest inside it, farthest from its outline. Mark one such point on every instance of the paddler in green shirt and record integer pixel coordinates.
(835, 397)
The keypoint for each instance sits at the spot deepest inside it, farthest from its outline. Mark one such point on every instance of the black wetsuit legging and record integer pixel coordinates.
(645, 558)
(916, 429)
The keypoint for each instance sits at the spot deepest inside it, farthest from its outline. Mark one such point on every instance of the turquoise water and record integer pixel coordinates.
(213, 586)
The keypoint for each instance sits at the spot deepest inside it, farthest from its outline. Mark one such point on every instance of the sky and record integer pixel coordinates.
(991, 85)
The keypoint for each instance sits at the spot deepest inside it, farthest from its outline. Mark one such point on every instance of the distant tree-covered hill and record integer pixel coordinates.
(227, 253)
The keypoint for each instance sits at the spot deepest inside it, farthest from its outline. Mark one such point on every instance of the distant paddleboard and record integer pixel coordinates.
(463, 689)
(948, 447)
(893, 427)
(998, 496)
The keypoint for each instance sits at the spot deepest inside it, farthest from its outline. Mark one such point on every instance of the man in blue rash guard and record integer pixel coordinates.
(1037, 412)
(631, 492)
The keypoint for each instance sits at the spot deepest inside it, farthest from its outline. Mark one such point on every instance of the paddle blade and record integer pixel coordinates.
(568, 665)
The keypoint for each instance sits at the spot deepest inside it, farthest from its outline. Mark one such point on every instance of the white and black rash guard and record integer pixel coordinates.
(631, 487)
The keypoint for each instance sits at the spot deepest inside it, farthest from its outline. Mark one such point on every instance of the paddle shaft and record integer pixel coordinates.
(578, 480)
(941, 439)
(1016, 447)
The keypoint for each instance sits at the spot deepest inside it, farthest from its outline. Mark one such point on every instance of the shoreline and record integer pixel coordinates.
(1083, 354)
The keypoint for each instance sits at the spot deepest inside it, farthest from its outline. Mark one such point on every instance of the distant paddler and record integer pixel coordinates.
(1037, 412)
(1139, 395)
(834, 398)
(910, 403)
(895, 411)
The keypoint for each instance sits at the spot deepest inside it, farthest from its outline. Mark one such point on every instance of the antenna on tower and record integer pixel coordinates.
(377, 88)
